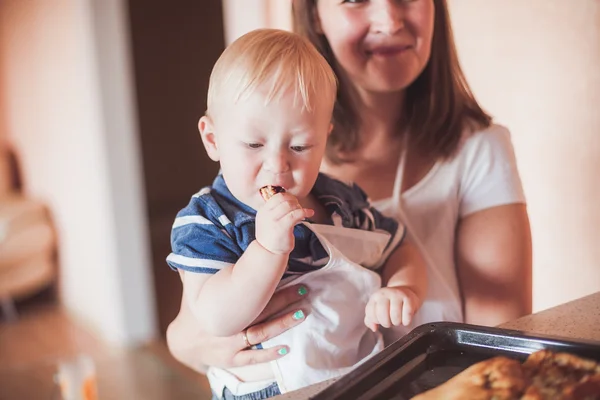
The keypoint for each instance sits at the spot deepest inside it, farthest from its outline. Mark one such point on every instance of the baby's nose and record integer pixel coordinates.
(278, 163)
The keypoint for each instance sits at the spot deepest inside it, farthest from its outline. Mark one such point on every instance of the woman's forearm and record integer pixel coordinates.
(183, 339)
(192, 346)
(231, 299)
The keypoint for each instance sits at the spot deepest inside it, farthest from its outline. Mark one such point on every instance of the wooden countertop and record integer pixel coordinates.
(578, 319)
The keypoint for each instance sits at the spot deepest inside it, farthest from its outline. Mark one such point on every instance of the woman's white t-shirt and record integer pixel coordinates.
(482, 174)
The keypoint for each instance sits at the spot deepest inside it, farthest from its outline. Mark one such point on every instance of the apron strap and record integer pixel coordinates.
(397, 190)
(399, 210)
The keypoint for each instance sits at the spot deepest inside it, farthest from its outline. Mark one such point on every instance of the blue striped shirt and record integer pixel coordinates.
(214, 229)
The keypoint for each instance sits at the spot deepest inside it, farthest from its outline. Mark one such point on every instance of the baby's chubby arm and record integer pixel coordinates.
(227, 302)
(404, 288)
(406, 268)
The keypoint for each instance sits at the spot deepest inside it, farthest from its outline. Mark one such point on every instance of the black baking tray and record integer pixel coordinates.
(433, 353)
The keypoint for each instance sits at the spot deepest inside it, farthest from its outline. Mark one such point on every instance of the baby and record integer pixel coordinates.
(270, 104)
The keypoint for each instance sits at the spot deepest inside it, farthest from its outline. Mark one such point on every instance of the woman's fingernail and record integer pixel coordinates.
(302, 290)
(282, 351)
(298, 315)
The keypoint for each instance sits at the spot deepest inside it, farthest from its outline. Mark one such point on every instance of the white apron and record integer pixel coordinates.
(333, 339)
(442, 301)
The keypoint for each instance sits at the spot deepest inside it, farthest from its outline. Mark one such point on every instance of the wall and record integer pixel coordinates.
(69, 111)
(241, 16)
(534, 66)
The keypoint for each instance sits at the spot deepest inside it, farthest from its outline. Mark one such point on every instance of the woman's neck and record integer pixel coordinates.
(380, 116)
(380, 113)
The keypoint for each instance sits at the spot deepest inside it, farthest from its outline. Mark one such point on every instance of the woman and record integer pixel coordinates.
(409, 132)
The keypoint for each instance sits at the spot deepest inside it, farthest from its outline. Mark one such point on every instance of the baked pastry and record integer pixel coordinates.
(270, 190)
(545, 375)
(499, 378)
(561, 376)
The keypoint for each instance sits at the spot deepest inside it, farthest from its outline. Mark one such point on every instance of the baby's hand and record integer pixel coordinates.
(391, 306)
(275, 222)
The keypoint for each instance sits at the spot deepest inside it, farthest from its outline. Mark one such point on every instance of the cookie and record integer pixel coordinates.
(270, 190)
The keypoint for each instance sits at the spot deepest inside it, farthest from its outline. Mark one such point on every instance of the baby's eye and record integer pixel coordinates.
(354, 1)
(299, 149)
(254, 145)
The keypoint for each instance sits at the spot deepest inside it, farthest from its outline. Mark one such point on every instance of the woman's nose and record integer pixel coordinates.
(387, 17)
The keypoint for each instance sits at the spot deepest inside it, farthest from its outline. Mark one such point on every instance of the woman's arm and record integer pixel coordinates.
(191, 346)
(493, 256)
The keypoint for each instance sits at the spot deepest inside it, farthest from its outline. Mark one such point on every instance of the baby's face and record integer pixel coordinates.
(278, 143)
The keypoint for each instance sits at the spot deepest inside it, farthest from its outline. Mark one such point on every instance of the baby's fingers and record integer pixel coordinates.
(383, 312)
(285, 207)
(369, 323)
(408, 310)
(276, 201)
(370, 320)
(296, 216)
(308, 212)
(396, 312)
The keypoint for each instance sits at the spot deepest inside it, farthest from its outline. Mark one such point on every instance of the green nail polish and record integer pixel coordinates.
(298, 315)
(302, 291)
(282, 351)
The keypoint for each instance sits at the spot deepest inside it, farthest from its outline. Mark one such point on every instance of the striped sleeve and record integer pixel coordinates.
(199, 239)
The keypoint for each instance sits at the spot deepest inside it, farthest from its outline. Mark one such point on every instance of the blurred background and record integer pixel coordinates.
(99, 102)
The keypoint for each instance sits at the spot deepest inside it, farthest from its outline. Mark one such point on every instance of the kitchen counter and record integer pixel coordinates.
(578, 319)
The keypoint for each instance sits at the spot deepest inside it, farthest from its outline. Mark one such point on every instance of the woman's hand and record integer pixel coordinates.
(194, 348)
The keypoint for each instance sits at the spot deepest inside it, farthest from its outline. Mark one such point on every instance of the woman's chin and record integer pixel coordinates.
(388, 78)
(389, 86)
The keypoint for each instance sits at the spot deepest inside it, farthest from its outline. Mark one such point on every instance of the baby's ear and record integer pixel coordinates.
(207, 133)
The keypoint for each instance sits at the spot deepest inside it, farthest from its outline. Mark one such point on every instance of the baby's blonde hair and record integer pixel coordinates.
(280, 59)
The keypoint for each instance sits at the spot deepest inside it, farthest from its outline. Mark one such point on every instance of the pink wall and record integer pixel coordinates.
(535, 65)
(69, 113)
(53, 120)
(241, 16)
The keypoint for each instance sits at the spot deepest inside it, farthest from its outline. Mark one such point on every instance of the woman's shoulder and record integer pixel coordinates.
(485, 145)
(487, 169)
(493, 135)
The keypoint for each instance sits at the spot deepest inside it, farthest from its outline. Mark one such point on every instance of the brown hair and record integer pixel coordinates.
(439, 104)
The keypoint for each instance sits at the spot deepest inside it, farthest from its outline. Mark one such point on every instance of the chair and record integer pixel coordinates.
(27, 239)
